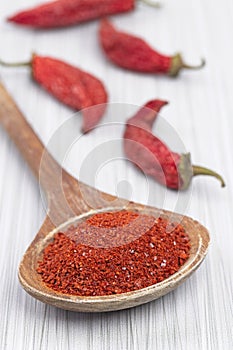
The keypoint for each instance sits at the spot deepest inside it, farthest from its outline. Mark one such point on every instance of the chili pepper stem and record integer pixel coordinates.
(151, 3)
(15, 64)
(187, 171)
(199, 66)
(177, 64)
(198, 170)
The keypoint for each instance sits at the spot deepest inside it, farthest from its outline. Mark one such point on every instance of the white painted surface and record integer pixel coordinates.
(198, 315)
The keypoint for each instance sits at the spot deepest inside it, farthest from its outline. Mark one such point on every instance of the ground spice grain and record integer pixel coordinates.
(77, 262)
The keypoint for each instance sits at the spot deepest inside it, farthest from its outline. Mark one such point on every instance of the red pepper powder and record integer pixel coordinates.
(113, 253)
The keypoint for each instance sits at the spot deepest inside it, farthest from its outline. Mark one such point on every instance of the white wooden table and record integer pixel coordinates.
(199, 314)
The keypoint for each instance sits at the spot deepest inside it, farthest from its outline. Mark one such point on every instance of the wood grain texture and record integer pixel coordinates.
(69, 201)
(199, 314)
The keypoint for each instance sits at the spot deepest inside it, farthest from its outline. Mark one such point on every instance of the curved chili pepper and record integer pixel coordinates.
(133, 53)
(70, 85)
(154, 157)
(62, 13)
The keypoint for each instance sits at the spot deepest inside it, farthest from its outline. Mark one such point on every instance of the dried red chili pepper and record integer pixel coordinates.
(68, 12)
(112, 253)
(133, 53)
(70, 85)
(153, 156)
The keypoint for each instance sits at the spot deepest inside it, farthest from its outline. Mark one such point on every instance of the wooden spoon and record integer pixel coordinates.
(68, 201)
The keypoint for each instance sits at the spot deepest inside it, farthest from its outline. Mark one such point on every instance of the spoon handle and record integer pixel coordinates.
(66, 196)
(25, 138)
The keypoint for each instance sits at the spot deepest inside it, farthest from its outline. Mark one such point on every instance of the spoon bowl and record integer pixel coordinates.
(32, 283)
(66, 206)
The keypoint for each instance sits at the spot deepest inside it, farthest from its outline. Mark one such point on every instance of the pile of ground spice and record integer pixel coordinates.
(112, 253)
